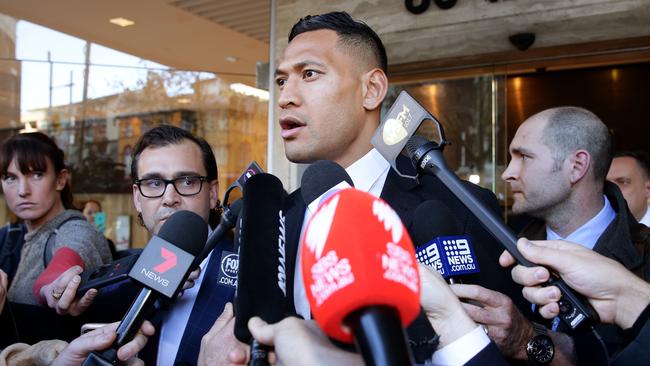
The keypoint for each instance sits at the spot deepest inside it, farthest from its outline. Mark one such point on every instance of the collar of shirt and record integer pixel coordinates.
(368, 174)
(645, 220)
(587, 235)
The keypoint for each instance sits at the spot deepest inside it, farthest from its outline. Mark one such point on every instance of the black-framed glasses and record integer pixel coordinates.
(185, 186)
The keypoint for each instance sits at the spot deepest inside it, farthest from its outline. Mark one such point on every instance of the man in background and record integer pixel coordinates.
(172, 171)
(630, 171)
(559, 160)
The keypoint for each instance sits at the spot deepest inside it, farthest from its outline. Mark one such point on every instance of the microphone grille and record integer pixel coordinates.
(186, 230)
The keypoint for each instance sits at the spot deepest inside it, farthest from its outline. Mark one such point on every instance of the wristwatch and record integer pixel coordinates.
(540, 349)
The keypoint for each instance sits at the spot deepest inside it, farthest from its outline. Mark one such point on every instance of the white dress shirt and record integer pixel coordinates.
(175, 320)
(587, 235)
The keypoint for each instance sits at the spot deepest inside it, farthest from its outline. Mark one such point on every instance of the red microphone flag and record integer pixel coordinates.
(357, 253)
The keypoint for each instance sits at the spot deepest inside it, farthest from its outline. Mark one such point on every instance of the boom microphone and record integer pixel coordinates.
(359, 269)
(261, 282)
(448, 253)
(161, 269)
(427, 158)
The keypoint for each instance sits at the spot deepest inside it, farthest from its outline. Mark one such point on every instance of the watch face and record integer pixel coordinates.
(540, 349)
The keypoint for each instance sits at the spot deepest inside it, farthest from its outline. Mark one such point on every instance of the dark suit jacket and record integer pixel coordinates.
(627, 242)
(404, 195)
(489, 356)
(637, 352)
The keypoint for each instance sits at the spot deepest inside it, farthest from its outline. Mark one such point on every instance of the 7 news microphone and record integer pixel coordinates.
(261, 281)
(435, 234)
(361, 277)
(116, 272)
(161, 270)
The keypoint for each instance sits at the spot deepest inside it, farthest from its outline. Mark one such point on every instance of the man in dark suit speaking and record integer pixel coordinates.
(332, 81)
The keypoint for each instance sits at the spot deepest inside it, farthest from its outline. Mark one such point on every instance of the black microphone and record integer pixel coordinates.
(427, 158)
(321, 176)
(161, 269)
(438, 243)
(228, 221)
(261, 281)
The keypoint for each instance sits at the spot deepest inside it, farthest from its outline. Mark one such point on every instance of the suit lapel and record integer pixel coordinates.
(399, 193)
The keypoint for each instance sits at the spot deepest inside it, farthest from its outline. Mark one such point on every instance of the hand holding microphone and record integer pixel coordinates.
(361, 277)
(161, 270)
(615, 293)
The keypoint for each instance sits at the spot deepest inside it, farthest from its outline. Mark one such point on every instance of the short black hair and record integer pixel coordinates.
(31, 151)
(641, 159)
(352, 33)
(165, 135)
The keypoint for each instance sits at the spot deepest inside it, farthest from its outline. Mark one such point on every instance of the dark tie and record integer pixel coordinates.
(208, 306)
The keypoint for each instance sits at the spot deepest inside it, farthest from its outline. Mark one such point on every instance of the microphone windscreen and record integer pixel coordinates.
(357, 253)
(433, 218)
(167, 258)
(261, 284)
(319, 177)
(186, 230)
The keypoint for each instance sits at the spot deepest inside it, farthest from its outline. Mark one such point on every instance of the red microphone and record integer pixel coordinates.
(361, 276)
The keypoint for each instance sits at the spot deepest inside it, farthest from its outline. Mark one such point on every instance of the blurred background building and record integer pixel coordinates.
(95, 75)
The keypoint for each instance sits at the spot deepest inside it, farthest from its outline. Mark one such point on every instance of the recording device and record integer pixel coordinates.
(252, 169)
(361, 277)
(261, 280)
(107, 275)
(161, 270)
(397, 132)
(451, 255)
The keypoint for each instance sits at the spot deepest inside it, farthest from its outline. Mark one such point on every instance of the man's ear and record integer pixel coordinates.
(214, 193)
(580, 164)
(136, 199)
(375, 87)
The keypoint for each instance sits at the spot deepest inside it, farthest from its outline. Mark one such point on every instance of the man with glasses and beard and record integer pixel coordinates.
(173, 170)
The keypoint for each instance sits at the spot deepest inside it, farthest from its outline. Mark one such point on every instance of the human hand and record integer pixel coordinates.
(300, 342)
(615, 293)
(60, 294)
(100, 339)
(4, 281)
(219, 346)
(504, 324)
(442, 307)
(190, 281)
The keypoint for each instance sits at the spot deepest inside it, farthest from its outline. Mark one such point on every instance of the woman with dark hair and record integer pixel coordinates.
(58, 238)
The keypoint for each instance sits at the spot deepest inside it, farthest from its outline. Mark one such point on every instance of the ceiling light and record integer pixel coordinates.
(231, 59)
(122, 22)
